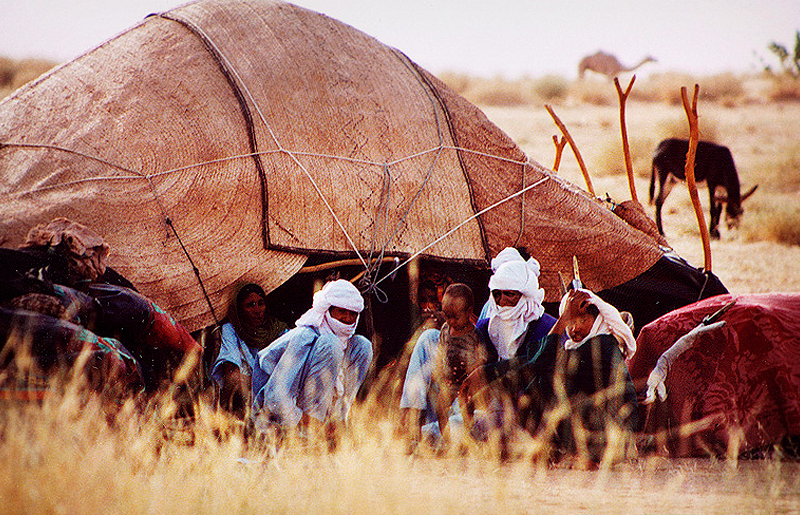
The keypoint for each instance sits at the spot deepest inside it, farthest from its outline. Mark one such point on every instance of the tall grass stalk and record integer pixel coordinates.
(68, 454)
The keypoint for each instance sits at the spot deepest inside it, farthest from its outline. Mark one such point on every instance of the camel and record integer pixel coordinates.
(607, 64)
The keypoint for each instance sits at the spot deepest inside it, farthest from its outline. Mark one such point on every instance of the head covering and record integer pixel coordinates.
(507, 325)
(339, 293)
(609, 321)
(504, 256)
(259, 336)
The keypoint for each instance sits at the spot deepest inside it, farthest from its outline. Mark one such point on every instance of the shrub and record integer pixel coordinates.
(594, 93)
(500, 92)
(6, 72)
(551, 88)
(612, 159)
(664, 87)
(458, 82)
(789, 60)
(15, 74)
(774, 218)
(784, 89)
(725, 87)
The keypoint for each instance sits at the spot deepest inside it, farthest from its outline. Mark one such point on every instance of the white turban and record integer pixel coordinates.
(339, 293)
(504, 256)
(609, 321)
(507, 325)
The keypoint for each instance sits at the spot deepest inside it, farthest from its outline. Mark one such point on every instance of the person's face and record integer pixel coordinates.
(580, 326)
(506, 298)
(253, 309)
(344, 316)
(456, 314)
(428, 300)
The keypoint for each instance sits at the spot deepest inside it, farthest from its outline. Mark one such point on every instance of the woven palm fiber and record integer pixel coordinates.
(633, 213)
(256, 133)
(738, 387)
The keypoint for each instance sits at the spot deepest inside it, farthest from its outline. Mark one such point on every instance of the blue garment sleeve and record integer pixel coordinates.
(281, 365)
(232, 349)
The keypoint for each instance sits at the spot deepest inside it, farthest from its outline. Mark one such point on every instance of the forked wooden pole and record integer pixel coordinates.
(626, 149)
(574, 148)
(559, 150)
(694, 136)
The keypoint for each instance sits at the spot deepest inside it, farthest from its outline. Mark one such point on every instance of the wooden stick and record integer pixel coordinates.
(694, 136)
(574, 148)
(626, 149)
(336, 264)
(559, 150)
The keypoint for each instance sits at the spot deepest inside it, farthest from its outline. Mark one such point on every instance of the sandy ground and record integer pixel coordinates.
(762, 137)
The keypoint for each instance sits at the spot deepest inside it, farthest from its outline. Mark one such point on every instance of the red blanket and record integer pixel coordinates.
(737, 388)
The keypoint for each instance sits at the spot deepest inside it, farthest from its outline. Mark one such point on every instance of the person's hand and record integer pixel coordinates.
(474, 383)
(575, 305)
(577, 302)
(656, 381)
(656, 386)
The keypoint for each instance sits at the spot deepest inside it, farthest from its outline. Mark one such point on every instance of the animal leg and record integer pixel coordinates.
(664, 187)
(715, 208)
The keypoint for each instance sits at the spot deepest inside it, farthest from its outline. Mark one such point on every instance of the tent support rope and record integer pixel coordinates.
(196, 270)
(457, 227)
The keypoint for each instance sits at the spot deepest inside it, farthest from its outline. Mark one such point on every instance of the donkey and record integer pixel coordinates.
(713, 164)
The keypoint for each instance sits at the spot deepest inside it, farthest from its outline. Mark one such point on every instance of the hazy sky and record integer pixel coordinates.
(486, 37)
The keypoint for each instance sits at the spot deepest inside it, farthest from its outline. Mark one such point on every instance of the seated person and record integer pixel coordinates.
(516, 321)
(515, 325)
(502, 257)
(414, 401)
(590, 361)
(249, 329)
(461, 349)
(311, 374)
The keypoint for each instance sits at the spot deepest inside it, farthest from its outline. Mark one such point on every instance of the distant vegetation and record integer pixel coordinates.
(727, 89)
(781, 85)
(788, 60)
(16, 73)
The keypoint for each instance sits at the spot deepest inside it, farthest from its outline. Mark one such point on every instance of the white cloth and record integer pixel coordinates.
(655, 381)
(507, 325)
(504, 256)
(608, 321)
(339, 293)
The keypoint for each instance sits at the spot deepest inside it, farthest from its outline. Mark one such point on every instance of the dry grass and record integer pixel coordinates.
(774, 218)
(611, 160)
(63, 457)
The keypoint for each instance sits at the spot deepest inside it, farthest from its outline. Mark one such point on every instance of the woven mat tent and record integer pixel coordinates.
(239, 137)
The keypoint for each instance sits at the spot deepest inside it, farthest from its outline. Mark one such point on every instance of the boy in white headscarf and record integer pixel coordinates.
(313, 372)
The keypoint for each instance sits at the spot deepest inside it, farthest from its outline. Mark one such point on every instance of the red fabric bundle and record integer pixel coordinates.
(737, 388)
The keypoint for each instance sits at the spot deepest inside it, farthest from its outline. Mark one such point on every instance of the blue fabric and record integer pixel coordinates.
(418, 376)
(297, 374)
(231, 350)
(484, 314)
